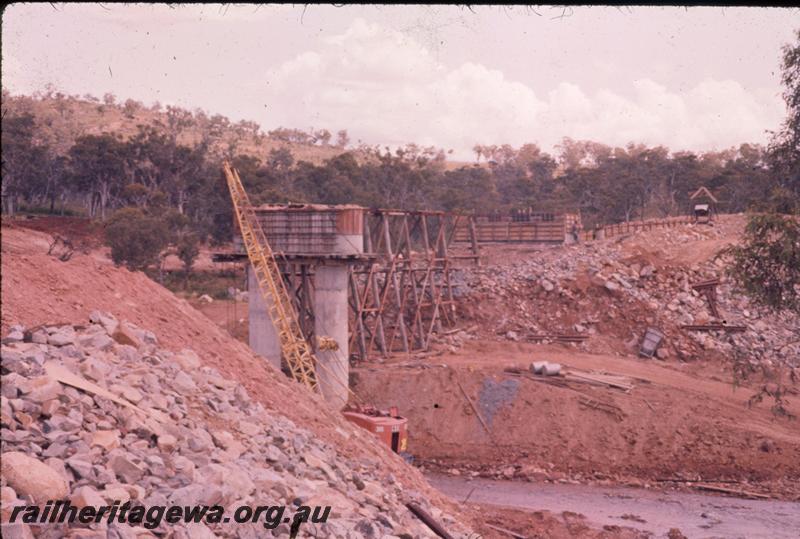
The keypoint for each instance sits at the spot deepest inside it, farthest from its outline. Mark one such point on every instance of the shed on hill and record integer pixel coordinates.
(704, 205)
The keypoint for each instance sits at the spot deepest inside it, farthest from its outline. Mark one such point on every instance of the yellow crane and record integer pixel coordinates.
(295, 348)
(388, 426)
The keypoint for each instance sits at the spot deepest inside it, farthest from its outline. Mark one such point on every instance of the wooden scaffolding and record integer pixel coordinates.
(405, 295)
(400, 291)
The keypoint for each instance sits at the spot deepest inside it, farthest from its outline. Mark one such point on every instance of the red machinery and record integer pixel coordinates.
(388, 426)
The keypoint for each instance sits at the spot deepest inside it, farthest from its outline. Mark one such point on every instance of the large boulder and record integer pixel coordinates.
(108, 321)
(124, 468)
(16, 530)
(86, 496)
(41, 389)
(30, 477)
(62, 336)
(15, 334)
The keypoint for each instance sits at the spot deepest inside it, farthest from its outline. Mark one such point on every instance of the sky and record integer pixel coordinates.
(688, 78)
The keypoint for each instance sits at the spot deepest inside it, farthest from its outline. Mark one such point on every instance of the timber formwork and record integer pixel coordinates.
(552, 228)
(405, 295)
(519, 226)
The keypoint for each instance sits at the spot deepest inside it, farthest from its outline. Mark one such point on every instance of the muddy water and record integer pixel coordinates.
(696, 515)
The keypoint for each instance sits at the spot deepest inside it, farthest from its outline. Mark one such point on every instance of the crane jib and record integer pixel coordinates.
(294, 347)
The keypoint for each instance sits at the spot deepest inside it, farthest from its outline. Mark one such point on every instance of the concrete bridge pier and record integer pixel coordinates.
(263, 337)
(330, 320)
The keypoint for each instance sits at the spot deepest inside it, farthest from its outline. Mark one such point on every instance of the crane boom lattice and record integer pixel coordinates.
(294, 347)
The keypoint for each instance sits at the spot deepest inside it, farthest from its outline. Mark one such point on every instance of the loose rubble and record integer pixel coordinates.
(188, 437)
(601, 290)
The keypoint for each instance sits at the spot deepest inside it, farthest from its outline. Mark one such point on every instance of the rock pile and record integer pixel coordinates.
(154, 427)
(600, 289)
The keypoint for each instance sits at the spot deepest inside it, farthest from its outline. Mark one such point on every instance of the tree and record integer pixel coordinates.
(160, 163)
(22, 158)
(280, 159)
(131, 107)
(767, 264)
(333, 183)
(180, 235)
(323, 136)
(211, 210)
(297, 136)
(178, 120)
(98, 166)
(188, 249)
(785, 147)
(342, 138)
(54, 174)
(217, 125)
(61, 104)
(136, 194)
(572, 153)
(136, 239)
(185, 164)
(478, 150)
(467, 188)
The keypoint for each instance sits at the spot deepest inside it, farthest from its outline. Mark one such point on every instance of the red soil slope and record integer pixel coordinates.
(38, 288)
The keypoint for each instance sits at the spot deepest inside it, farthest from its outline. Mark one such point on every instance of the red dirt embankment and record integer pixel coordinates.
(38, 289)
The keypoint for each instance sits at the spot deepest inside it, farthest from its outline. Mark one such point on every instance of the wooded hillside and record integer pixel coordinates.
(93, 156)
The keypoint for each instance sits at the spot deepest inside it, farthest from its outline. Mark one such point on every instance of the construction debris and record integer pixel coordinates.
(545, 368)
(551, 369)
(552, 372)
(510, 533)
(609, 380)
(428, 520)
(58, 373)
(552, 380)
(652, 338)
(714, 327)
(735, 492)
(554, 369)
(558, 337)
(538, 366)
(709, 289)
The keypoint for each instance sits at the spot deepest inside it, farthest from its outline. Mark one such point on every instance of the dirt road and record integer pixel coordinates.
(696, 515)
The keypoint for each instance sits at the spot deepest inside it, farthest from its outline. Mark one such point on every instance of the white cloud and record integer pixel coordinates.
(384, 87)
